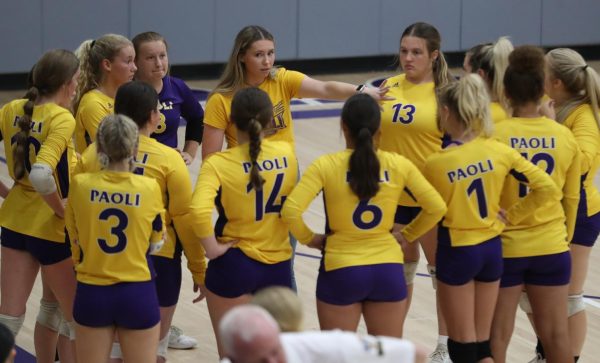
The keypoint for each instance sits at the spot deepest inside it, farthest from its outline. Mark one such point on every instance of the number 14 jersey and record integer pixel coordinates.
(249, 216)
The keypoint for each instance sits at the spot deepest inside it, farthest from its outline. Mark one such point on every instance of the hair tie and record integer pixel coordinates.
(584, 67)
(93, 42)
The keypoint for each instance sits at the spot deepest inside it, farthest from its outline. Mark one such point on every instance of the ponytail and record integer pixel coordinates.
(592, 86)
(441, 75)
(21, 150)
(364, 166)
(254, 130)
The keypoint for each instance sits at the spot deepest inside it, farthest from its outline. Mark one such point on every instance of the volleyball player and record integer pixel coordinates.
(248, 185)
(138, 100)
(575, 88)
(361, 270)
(536, 250)
(251, 64)
(490, 62)
(176, 99)
(114, 219)
(38, 130)
(469, 174)
(408, 127)
(106, 64)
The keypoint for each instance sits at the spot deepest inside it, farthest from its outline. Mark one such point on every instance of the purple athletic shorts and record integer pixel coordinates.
(348, 285)
(129, 305)
(546, 270)
(459, 265)
(587, 230)
(234, 274)
(46, 252)
(168, 277)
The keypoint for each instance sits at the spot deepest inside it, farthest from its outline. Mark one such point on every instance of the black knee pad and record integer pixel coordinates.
(484, 350)
(462, 352)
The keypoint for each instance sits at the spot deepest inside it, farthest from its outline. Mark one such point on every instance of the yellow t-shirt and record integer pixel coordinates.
(409, 123)
(470, 178)
(585, 129)
(248, 216)
(112, 217)
(93, 107)
(553, 148)
(166, 166)
(498, 112)
(358, 231)
(280, 89)
(24, 211)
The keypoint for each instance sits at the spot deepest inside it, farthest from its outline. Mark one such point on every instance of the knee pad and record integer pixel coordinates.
(163, 346)
(410, 271)
(524, 303)
(49, 315)
(575, 304)
(484, 350)
(13, 323)
(432, 272)
(115, 352)
(462, 352)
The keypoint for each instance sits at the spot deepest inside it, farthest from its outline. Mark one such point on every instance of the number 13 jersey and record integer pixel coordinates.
(251, 217)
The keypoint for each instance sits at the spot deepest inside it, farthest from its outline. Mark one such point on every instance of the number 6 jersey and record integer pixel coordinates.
(247, 215)
(359, 230)
(112, 219)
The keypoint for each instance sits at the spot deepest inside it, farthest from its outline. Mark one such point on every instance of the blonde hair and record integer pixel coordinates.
(492, 59)
(469, 101)
(283, 305)
(91, 53)
(580, 80)
(234, 76)
(116, 140)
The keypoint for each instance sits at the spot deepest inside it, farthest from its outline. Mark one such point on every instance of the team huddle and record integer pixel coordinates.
(492, 175)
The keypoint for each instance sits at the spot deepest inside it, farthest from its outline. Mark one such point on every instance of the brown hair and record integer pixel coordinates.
(432, 38)
(251, 111)
(524, 76)
(53, 70)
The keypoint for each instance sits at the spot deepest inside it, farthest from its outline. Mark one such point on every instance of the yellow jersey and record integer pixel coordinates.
(552, 147)
(497, 112)
(409, 123)
(112, 218)
(585, 129)
(358, 231)
(246, 215)
(24, 211)
(93, 107)
(166, 166)
(470, 177)
(281, 89)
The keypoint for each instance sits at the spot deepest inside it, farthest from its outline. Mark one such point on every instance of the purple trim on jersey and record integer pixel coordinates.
(129, 305)
(177, 101)
(46, 252)
(222, 219)
(354, 284)
(168, 277)
(459, 265)
(405, 215)
(62, 172)
(234, 274)
(546, 270)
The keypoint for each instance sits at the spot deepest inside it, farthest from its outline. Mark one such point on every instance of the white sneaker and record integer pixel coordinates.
(177, 340)
(537, 359)
(440, 354)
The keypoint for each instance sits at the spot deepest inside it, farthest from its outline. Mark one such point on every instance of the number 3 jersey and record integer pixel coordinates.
(471, 176)
(553, 148)
(112, 218)
(24, 211)
(359, 230)
(246, 215)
